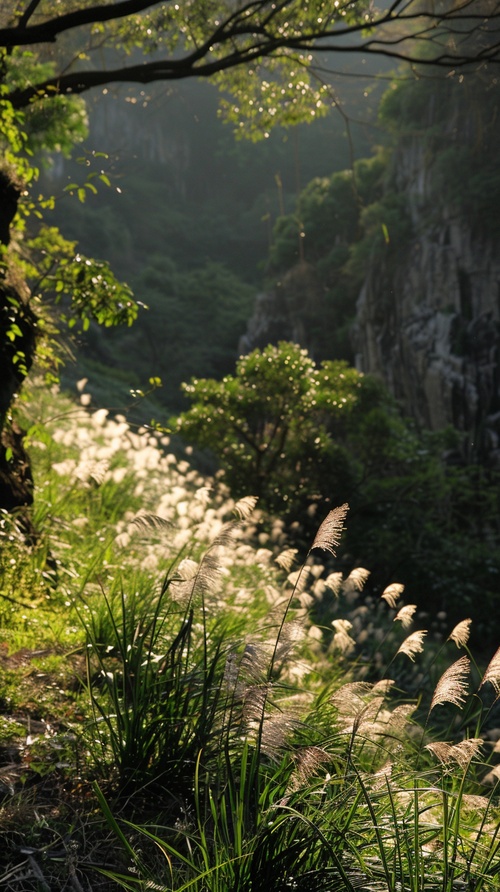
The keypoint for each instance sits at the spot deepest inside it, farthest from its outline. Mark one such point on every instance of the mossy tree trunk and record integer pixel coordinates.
(17, 350)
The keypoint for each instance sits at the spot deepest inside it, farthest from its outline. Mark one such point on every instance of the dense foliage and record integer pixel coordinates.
(271, 423)
(300, 435)
(269, 48)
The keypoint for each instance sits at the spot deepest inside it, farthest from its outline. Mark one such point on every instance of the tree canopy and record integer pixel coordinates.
(276, 50)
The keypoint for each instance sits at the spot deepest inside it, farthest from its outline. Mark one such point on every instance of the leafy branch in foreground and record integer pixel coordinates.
(276, 41)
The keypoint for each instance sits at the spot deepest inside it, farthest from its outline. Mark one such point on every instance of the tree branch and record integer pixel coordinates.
(244, 36)
(47, 32)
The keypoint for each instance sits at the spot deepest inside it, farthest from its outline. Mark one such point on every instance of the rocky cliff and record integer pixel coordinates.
(427, 316)
(428, 321)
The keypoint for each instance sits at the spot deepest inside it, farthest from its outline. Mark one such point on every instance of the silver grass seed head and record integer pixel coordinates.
(460, 634)
(245, 506)
(286, 559)
(492, 673)
(413, 644)
(356, 580)
(309, 761)
(462, 753)
(148, 522)
(328, 536)
(452, 687)
(342, 641)
(334, 583)
(392, 593)
(405, 615)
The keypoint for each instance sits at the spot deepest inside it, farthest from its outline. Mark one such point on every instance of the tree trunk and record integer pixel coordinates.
(17, 350)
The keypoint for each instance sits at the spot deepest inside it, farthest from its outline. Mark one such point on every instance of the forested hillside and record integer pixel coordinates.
(190, 226)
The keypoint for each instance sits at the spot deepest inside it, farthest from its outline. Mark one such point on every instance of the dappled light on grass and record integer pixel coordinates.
(232, 716)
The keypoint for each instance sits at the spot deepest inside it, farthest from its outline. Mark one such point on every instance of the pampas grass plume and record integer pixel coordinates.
(356, 579)
(392, 592)
(460, 634)
(492, 673)
(405, 615)
(330, 531)
(451, 687)
(413, 645)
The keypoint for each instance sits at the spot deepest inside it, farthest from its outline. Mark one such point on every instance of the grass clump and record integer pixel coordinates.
(184, 707)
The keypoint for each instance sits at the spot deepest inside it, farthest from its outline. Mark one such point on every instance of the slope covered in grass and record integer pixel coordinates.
(187, 704)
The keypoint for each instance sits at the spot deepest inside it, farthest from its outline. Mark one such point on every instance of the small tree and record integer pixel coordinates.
(272, 425)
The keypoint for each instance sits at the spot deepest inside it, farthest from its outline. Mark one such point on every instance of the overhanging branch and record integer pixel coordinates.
(251, 33)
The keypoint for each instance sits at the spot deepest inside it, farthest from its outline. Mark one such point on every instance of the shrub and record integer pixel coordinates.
(269, 425)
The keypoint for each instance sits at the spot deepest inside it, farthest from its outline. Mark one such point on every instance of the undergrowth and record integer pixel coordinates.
(186, 704)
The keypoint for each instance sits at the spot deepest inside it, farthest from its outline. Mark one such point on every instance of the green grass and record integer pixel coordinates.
(184, 707)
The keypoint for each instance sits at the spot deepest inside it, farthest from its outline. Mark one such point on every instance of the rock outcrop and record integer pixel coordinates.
(286, 312)
(428, 322)
(427, 317)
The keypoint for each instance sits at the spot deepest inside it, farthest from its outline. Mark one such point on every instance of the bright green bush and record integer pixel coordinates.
(269, 425)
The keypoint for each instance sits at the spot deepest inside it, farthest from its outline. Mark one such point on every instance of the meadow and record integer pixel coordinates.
(187, 703)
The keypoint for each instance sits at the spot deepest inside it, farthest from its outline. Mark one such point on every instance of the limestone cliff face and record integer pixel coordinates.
(428, 323)
(285, 312)
(427, 318)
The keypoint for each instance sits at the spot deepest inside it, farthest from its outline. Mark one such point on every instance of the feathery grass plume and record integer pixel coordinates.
(356, 580)
(271, 729)
(334, 582)
(203, 495)
(276, 730)
(147, 522)
(405, 615)
(460, 634)
(441, 750)
(203, 578)
(254, 662)
(226, 535)
(351, 698)
(413, 644)
(273, 595)
(492, 673)
(452, 687)
(209, 574)
(292, 632)
(243, 671)
(467, 750)
(492, 778)
(392, 592)
(330, 531)
(286, 559)
(383, 686)
(181, 585)
(308, 762)
(398, 718)
(342, 640)
(461, 753)
(245, 506)
(374, 720)
(254, 705)
(365, 721)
